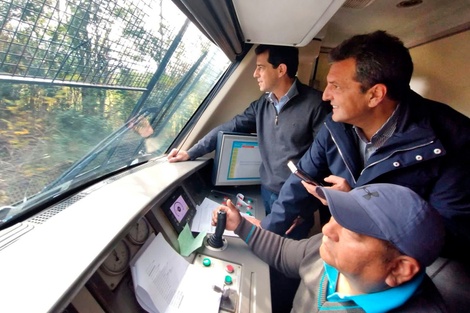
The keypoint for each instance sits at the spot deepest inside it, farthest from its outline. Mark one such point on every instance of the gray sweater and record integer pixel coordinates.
(282, 137)
(301, 259)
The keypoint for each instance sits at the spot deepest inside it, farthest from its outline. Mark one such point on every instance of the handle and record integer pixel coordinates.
(216, 240)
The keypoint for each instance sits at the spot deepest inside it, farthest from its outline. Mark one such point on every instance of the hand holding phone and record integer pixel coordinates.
(302, 175)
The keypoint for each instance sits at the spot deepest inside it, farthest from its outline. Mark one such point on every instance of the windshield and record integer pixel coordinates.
(90, 87)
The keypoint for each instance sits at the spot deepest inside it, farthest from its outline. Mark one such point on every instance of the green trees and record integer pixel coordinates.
(72, 72)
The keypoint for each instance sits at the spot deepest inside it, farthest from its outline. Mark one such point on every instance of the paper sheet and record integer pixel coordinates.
(202, 220)
(188, 243)
(165, 282)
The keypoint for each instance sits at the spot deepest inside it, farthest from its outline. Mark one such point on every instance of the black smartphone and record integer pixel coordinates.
(302, 175)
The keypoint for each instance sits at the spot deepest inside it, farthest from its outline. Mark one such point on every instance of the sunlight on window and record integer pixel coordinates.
(74, 77)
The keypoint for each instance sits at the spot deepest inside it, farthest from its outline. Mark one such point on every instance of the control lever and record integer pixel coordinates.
(216, 240)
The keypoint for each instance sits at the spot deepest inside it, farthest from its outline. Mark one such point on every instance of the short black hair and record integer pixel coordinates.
(381, 58)
(281, 54)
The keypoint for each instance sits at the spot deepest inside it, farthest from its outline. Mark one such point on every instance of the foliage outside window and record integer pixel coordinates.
(77, 79)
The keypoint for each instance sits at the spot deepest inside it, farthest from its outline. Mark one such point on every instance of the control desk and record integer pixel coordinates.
(243, 278)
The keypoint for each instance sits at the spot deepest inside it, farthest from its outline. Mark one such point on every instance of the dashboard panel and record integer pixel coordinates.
(82, 255)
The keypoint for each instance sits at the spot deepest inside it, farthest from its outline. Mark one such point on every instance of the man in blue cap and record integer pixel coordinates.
(371, 257)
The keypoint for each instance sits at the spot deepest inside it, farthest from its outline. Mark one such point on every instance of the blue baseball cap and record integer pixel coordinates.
(390, 212)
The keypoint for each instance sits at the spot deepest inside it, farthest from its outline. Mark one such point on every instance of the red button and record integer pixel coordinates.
(229, 268)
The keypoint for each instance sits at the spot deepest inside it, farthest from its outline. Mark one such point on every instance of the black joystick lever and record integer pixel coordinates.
(216, 240)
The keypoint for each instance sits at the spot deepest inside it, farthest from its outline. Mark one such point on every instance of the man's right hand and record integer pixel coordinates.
(176, 155)
(297, 221)
(337, 183)
(233, 216)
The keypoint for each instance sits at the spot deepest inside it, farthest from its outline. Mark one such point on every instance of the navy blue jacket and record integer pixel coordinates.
(282, 137)
(429, 153)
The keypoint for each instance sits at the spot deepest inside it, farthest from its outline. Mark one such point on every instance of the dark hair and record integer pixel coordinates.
(391, 251)
(381, 58)
(281, 54)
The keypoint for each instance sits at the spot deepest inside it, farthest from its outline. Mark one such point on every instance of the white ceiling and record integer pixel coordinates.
(297, 22)
(282, 22)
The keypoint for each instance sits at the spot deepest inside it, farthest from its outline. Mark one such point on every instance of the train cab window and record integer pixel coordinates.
(88, 89)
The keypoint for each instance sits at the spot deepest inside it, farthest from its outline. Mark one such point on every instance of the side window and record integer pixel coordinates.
(73, 73)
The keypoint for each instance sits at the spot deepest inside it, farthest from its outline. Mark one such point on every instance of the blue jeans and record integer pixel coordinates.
(268, 199)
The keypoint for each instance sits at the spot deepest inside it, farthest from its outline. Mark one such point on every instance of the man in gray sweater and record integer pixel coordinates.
(370, 257)
(286, 119)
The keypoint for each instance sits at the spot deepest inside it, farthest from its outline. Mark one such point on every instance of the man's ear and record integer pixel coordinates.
(282, 69)
(377, 94)
(402, 269)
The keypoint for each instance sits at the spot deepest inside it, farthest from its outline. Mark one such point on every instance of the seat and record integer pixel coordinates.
(452, 279)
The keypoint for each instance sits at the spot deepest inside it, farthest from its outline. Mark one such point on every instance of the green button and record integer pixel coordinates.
(249, 213)
(228, 280)
(206, 262)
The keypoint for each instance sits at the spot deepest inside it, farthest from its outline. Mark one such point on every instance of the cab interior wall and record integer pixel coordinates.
(444, 79)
